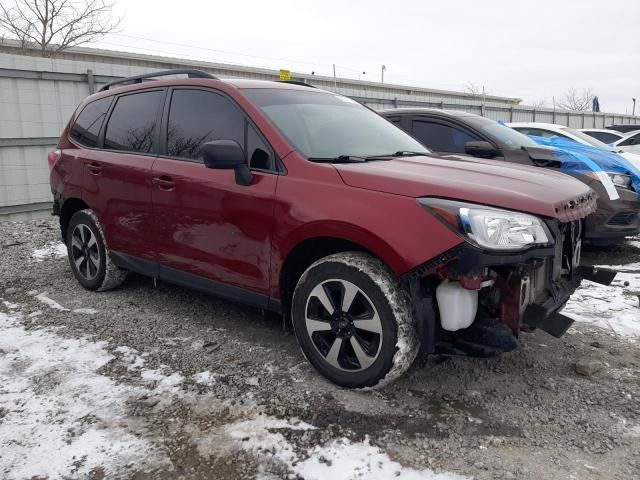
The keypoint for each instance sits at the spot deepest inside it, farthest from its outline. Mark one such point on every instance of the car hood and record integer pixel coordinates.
(526, 189)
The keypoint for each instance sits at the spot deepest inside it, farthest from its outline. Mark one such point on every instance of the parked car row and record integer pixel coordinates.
(306, 203)
(619, 141)
(460, 133)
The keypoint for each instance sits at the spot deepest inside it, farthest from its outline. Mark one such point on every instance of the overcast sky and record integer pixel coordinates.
(518, 48)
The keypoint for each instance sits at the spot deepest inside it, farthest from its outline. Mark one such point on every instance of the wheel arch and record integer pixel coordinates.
(69, 207)
(316, 243)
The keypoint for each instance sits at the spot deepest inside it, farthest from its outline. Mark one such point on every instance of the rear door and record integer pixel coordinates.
(206, 224)
(118, 175)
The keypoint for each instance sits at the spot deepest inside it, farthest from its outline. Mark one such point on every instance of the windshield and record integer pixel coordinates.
(594, 142)
(323, 125)
(507, 136)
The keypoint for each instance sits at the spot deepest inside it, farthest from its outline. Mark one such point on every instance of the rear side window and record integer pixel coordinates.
(197, 117)
(536, 132)
(604, 136)
(442, 138)
(132, 125)
(87, 126)
(632, 140)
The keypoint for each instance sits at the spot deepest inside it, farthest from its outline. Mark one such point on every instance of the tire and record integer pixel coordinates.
(89, 255)
(370, 344)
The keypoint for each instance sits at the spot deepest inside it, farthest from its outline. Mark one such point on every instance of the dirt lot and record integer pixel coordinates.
(152, 382)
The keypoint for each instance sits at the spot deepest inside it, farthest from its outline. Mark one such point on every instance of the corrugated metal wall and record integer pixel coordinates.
(38, 95)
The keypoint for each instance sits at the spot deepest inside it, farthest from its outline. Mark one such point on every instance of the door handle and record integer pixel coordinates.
(94, 167)
(163, 182)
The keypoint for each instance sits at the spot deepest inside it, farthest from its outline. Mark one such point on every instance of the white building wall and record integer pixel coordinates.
(38, 95)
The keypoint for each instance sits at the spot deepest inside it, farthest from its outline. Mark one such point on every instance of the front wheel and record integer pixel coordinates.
(354, 321)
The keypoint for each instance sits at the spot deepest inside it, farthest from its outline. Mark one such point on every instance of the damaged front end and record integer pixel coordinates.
(514, 273)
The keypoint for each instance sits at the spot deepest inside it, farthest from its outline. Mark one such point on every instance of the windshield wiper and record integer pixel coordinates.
(409, 153)
(339, 159)
(358, 159)
(399, 153)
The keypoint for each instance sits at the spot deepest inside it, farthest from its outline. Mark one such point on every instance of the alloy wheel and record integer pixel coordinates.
(343, 325)
(84, 252)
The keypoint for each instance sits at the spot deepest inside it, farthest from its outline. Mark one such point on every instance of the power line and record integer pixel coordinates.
(395, 79)
(222, 51)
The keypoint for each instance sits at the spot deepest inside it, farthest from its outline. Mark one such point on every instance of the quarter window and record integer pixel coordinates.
(442, 138)
(197, 117)
(257, 151)
(132, 125)
(87, 126)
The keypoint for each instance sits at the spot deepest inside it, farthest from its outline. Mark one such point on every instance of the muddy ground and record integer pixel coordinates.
(526, 415)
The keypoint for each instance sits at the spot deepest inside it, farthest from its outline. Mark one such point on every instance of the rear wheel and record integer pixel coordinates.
(89, 255)
(354, 321)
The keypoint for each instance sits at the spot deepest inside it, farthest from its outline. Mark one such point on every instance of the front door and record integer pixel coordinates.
(206, 224)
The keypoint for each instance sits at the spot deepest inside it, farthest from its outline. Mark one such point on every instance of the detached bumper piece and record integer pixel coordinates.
(547, 318)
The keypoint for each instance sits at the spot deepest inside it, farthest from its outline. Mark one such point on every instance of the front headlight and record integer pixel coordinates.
(490, 228)
(620, 180)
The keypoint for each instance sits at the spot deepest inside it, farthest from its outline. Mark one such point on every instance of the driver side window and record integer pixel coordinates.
(199, 116)
(442, 138)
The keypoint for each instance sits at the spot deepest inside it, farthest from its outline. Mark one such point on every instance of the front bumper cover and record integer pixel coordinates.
(558, 275)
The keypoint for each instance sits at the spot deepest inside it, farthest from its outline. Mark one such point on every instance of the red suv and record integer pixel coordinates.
(304, 202)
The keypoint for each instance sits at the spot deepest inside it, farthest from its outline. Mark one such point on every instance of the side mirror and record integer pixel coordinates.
(481, 149)
(227, 155)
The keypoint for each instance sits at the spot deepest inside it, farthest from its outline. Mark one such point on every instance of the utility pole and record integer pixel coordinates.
(633, 113)
(384, 69)
(335, 82)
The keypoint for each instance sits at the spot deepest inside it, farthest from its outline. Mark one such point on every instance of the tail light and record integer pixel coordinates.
(53, 157)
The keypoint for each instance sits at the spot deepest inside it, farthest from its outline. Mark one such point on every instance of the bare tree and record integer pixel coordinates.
(472, 88)
(55, 25)
(539, 103)
(577, 100)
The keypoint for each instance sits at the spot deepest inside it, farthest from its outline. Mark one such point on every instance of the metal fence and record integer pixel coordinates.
(38, 95)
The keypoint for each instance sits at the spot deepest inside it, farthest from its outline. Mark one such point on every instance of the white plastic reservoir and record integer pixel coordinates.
(457, 305)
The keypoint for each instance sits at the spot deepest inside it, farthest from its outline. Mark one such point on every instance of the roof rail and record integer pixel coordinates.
(163, 73)
(295, 82)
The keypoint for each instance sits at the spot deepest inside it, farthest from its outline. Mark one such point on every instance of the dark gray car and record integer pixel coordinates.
(462, 133)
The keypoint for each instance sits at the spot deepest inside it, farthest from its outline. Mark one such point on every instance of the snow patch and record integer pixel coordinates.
(343, 460)
(131, 357)
(338, 460)
(50, 250)
(205, 378)
(42, 297)
(615, 308)
(163, 383)
(11, 306)
(61, 419)
(85, 311)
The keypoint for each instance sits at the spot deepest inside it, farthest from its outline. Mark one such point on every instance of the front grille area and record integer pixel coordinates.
(622, 219)
(577, 208)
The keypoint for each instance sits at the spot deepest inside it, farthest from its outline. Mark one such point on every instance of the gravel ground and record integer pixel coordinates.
(204, 388)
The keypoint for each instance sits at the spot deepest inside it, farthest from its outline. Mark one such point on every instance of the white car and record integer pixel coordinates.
(604, 135)
(629, 143)
(548, 130)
